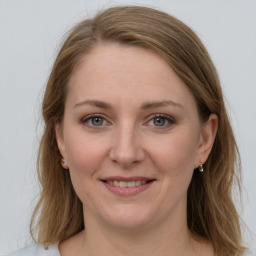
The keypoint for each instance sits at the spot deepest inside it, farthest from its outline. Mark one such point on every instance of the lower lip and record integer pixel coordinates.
(128, 191)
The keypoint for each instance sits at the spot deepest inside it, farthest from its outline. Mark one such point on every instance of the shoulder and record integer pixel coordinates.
(251, 252)
(36, 250)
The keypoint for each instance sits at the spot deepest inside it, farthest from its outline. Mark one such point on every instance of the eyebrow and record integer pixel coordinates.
(163, 103)
(96, 103)
(145, 105)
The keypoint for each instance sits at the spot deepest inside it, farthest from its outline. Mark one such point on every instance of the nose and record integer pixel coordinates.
(127, 149)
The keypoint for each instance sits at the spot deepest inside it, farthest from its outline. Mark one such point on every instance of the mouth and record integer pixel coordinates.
(127, 184)
(131, 186)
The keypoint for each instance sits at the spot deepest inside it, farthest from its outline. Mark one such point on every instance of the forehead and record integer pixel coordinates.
(126, 73)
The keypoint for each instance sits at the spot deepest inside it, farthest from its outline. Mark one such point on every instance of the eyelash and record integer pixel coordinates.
(86, 119)
(168, 119)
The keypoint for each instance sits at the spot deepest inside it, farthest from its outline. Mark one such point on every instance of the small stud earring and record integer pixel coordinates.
(64, 163)
(201, 169)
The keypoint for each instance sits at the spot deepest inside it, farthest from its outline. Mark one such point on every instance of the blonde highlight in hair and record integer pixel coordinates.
(211, 213)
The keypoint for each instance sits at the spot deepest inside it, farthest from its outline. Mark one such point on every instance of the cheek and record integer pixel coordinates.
(85, 153)
(175, 154)
(85, 156)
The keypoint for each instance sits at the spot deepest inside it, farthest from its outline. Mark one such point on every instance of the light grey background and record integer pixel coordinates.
(30, 32)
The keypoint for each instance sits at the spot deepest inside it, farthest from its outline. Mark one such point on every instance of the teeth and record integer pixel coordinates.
(122, 184)
(126, 184)
(131, 184)
(137, 183)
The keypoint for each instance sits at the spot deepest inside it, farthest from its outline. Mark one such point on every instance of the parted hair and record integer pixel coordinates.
(211, 213)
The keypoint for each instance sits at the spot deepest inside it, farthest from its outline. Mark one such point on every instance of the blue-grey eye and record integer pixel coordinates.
(159, 121)
(97, 121)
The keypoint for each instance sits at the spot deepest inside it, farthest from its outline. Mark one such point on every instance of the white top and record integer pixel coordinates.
(250, 253)
(39, 250)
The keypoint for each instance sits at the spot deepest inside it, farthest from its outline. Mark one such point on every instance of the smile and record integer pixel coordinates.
(126, 184)
(122, 186)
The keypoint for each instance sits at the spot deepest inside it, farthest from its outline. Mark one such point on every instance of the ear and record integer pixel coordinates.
(208, 134)
(60, 139)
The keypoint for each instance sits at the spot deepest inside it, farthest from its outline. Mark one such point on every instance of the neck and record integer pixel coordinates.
(168, 238)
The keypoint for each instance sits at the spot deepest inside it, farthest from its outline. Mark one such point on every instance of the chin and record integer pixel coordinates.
(129, 219)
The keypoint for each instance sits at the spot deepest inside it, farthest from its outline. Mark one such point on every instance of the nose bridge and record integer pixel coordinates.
(126, 147)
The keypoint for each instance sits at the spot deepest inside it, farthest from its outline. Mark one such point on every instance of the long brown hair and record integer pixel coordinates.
(211, 213)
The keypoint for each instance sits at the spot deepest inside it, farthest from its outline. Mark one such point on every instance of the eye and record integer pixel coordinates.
(161, 121)
(94, 121)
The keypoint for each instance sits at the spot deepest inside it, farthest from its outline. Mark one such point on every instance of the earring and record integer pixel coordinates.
(200, 168)
(64, 163)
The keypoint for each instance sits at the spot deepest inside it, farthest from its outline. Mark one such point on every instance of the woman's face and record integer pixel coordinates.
(132, 137)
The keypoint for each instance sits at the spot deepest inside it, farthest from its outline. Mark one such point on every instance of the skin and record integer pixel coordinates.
(130, 141)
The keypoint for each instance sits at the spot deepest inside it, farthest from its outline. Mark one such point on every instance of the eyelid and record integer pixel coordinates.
(85, 119)
(169, 119)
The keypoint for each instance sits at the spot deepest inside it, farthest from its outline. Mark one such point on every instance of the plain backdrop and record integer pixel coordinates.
(30, 33)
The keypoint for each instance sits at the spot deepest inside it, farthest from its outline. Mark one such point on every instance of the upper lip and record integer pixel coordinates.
(120, 178)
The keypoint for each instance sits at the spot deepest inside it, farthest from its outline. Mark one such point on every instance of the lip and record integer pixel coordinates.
(121, 178)
(127, 191)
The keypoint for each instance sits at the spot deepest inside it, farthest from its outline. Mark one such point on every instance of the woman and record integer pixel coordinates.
(138, 156)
